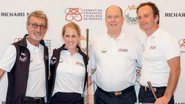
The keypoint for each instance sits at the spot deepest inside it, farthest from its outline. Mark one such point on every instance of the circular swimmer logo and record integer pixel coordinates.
(130, 15)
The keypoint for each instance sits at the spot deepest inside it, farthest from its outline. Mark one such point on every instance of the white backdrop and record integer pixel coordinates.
(88, 14)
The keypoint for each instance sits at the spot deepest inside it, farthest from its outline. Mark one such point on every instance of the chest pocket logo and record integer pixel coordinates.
(104, 50)
(80, 64)
(122, 50)
(152, 47)
(53, 60)
(23, 57)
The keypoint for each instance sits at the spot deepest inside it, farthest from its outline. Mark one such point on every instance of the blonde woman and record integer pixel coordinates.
(68, 68)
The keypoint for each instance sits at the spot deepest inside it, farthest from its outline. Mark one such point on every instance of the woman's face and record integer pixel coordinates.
(71, 38)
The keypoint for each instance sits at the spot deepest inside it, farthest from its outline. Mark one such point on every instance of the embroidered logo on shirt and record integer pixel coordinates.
(104, 50)
(122, 50)
(23, 57)
(53, 60)
(152, 47)
(79, 63)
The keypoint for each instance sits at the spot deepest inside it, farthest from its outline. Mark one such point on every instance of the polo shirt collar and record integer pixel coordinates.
(121, 35)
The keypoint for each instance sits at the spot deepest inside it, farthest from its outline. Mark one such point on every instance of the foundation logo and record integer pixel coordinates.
(79, 14)
(182, 45)
(73, 14)
(130, 15)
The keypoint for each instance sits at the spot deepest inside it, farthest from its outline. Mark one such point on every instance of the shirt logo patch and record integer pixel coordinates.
(122, 50)
(53, 60)
(79, 63)
(23, 57)
(152, 47)
(104, 50)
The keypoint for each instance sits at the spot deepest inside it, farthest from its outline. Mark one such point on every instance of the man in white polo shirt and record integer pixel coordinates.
(26, 62)
(161, 58)
(115, 59)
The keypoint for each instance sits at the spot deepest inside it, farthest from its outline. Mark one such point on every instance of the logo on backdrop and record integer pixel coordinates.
(13, 14)
(79, 14)
(22, 57)
(73, 14)
(174, 14)
(130, 15)
(182, 45)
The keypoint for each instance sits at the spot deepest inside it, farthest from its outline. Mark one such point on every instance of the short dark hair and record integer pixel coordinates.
(154, 8)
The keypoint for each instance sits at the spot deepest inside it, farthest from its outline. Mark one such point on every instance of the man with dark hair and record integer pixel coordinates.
(161, 58)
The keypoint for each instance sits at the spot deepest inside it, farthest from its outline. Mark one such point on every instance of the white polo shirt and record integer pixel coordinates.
(159, 47)
(115, 61)
(70, 73)
(36, 85)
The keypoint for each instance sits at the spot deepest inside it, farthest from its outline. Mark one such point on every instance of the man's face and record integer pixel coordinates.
(113, 19)
(147, 20)
(36, 29)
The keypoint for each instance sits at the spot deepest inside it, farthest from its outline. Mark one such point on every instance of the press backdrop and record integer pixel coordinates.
(88, 14)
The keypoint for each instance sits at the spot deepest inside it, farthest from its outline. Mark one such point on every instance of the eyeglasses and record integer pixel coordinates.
(35, 26)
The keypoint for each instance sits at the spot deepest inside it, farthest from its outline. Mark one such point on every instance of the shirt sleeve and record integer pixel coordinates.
(8, 60)
(171, 48)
